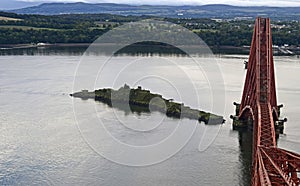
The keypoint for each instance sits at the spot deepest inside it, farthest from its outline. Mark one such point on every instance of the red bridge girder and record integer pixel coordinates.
(270, 165)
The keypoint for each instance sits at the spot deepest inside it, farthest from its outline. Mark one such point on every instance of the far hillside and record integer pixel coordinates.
(218, 11)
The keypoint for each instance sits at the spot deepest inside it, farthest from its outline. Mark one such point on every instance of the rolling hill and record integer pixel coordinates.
(205, 11)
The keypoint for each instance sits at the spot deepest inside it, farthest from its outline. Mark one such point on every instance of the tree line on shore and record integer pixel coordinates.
(85, 28)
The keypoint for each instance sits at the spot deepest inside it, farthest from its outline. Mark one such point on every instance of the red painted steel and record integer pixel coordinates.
(270, 165)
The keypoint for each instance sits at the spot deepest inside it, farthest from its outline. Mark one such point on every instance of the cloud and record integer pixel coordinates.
(189, 2)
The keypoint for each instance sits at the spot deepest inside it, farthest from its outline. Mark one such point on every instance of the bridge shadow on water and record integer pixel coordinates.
(245, 157)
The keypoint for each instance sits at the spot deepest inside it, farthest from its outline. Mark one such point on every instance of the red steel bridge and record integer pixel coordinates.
(270, 165)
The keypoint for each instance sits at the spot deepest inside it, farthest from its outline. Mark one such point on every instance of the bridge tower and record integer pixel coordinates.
(259, 110)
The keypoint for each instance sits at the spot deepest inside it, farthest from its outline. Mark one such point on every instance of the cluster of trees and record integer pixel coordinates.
(19, 36)
(239, 33)
(85, 28)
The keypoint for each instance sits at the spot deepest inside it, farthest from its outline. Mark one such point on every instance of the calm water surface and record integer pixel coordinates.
(42, 144)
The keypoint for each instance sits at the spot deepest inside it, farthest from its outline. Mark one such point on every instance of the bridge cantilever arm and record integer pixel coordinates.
(285, 177)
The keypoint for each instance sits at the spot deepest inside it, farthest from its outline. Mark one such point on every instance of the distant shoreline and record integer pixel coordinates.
(20, 46)
(135, 48)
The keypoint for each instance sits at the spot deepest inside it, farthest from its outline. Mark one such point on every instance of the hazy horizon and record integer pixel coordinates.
(15, 4)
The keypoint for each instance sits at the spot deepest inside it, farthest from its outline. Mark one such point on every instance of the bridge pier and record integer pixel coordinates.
(243, 124)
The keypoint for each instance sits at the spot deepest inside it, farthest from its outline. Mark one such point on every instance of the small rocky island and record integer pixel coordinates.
(144, 101)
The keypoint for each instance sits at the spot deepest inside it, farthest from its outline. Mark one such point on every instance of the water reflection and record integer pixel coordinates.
(42, 51)
(137, 49)
(245, 157)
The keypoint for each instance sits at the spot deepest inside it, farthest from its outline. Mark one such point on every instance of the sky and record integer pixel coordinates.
(14, 4)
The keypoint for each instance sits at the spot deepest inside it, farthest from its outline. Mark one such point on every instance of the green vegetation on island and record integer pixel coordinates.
(147, 102)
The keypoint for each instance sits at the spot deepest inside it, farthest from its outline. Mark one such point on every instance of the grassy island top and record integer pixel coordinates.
(147, 101)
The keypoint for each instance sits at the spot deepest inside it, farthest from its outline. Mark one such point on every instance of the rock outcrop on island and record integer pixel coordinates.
(141, 100)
